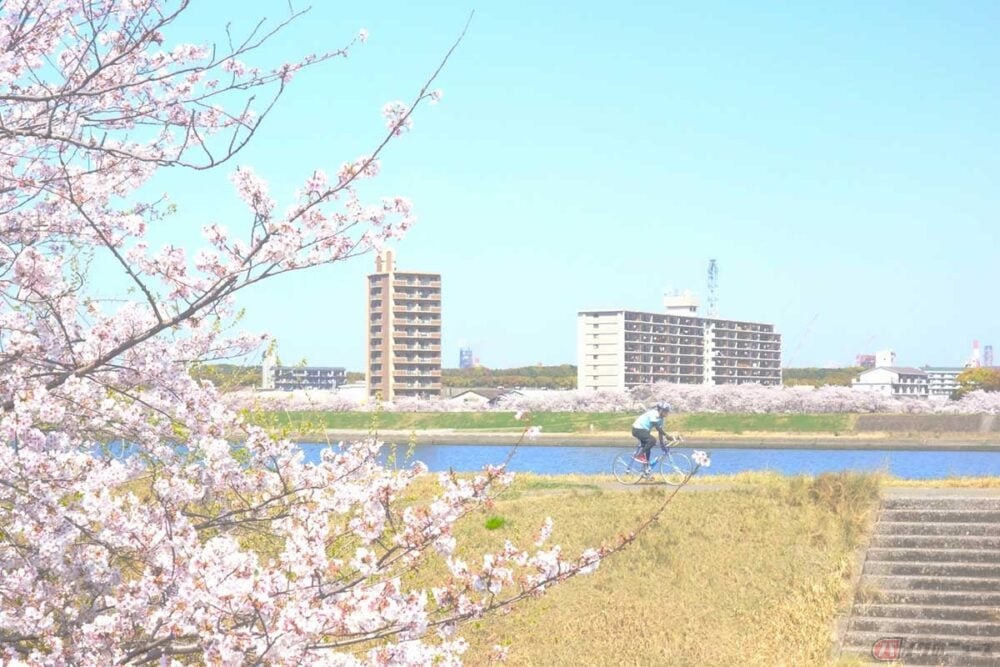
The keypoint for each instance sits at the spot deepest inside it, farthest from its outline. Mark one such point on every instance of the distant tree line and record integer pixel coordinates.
(817, 377)
(227, 376)
(973, 379)
(234, 376)
(536, 377)
(563, 376)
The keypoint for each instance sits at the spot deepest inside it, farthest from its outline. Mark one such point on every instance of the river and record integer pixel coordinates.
(589, 460)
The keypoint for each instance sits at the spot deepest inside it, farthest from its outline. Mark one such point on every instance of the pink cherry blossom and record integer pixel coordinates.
(146, 518)
(397, 117)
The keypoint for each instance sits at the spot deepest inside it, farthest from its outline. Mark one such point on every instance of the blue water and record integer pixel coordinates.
(550, 460)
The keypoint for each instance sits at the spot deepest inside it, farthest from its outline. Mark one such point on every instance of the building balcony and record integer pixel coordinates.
(408, 302)
(423, 386)
(417, 295)
(422, 361)
(432, 335)
(417, 322)
(743, 338)
(755, 356)
(414, 372)
(417, 347)
(743, 326)
(403, 305)
(429, 285)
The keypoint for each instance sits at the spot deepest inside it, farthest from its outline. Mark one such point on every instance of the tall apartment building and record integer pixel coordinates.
(619, 349)
(404, 331)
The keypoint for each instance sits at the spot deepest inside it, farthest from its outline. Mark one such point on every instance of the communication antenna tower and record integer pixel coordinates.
(713, 288)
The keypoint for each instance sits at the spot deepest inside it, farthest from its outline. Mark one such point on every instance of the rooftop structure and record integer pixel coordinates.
(680, 303)
(885, 358)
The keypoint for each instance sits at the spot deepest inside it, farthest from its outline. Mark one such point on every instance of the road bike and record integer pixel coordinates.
(672, 465)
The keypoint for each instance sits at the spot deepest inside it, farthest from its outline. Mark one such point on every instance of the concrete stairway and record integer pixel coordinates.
(931, 580)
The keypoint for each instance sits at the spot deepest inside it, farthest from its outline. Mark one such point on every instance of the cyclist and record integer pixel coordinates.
(642, 429)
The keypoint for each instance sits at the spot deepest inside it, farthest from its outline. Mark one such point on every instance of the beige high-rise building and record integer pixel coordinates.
(404, 331)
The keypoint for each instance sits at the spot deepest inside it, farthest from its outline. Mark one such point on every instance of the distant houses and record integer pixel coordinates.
(886, 379)
(478, 396)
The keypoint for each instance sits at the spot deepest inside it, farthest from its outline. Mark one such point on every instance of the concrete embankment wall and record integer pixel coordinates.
(927, 424)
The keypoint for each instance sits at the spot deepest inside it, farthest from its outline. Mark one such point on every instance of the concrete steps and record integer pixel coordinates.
(955, 528)
(930, 585)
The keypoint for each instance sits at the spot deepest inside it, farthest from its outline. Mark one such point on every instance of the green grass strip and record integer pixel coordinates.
(556, 422)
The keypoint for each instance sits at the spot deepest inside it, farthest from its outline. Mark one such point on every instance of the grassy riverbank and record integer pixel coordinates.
(559, 422)
(818, 430)
(752, 572)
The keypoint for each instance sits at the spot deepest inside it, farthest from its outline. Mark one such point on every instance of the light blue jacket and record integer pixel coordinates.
(649, 420)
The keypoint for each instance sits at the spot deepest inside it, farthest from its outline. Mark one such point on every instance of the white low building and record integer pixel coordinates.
(941, 381)
(481, 397)
(896, 381)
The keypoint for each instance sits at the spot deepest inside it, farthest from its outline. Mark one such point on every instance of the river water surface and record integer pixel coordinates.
(558, 460)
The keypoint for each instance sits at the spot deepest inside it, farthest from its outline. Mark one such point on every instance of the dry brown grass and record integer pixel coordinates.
(745, 574)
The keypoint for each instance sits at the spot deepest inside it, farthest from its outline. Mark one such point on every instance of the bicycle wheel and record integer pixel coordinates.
(675, 467)
(626, 470)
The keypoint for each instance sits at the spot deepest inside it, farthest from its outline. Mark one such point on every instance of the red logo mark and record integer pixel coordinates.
(887, 649)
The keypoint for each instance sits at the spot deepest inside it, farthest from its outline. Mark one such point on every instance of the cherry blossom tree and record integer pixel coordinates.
(132, 529)
(740, 399)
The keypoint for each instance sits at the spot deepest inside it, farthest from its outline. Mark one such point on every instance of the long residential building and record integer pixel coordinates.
(619, 349)
(404, 331)
(290, 378)
(942, 381)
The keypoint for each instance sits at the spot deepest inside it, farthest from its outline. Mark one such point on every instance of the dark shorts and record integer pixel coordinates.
(645, 438)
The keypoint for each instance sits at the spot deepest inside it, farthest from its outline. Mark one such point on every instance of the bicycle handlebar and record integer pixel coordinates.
(677, 439)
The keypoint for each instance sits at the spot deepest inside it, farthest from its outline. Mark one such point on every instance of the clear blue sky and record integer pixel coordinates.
(840, 161)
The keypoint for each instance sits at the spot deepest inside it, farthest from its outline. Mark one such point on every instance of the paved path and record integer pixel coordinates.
(927, 492)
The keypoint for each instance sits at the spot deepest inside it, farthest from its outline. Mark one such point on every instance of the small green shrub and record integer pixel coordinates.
(495, 522)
